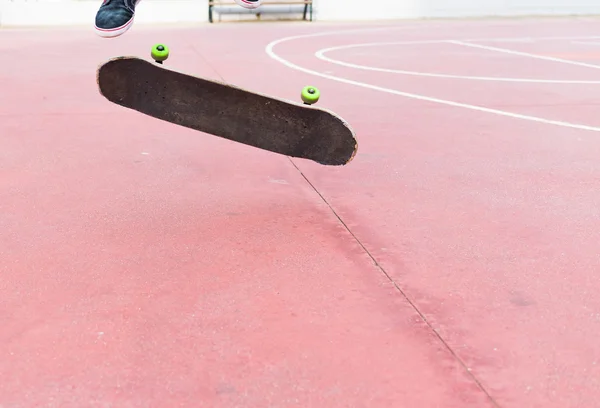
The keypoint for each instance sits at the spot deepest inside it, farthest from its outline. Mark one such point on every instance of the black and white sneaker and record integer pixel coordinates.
(115, 17)
(249, 4)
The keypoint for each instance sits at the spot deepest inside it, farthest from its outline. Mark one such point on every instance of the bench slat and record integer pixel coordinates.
(231, 3)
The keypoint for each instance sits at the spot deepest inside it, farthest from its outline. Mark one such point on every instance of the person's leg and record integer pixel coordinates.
(115, 17)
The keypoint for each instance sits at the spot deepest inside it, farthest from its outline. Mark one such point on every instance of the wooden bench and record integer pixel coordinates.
(225, 7)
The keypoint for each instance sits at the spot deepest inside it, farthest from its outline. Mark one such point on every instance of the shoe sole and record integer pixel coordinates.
(247, 4)
(117, 31)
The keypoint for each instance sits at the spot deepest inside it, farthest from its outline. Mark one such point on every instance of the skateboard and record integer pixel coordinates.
(220, 109)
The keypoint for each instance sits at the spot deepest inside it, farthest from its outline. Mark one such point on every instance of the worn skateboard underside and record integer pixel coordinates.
(227, 111)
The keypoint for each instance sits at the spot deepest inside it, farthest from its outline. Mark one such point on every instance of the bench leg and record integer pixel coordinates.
(211, 18)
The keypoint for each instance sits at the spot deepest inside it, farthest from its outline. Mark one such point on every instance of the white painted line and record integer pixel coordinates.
(586, 42)
(533, 39)
(269, 49)
(524, 54)
(321, 55)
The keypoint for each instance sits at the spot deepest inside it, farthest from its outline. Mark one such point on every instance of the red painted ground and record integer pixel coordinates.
(148, 265)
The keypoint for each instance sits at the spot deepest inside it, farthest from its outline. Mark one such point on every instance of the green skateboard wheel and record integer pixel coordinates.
(160, 52)
(310, 95)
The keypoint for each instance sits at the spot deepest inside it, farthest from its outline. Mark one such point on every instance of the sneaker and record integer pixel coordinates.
(115, 17)
(249, 4)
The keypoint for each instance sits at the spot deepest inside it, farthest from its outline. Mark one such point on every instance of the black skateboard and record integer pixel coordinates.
(288, 128)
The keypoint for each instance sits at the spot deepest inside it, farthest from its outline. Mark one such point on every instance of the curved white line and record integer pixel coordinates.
(321, 55)
(269, 49)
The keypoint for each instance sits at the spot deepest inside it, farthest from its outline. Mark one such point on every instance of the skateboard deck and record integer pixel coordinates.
(227, 111)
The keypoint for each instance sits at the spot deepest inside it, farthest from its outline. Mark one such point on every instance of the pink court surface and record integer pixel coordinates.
(455, 262)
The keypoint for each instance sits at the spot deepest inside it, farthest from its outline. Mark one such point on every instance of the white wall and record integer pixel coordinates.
(59, 12)
(369, 9)
(394, 9)
(467, 8)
